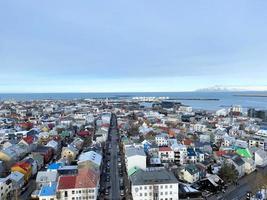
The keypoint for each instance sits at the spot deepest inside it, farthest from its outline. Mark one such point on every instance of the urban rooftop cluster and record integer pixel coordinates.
(140, 149)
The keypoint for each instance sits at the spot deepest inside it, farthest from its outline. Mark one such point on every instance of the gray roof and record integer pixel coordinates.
(133, 151)
(153, 177)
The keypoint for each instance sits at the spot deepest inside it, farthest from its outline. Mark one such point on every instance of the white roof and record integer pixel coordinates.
(91, 156)
(46, 176)
(16, 176)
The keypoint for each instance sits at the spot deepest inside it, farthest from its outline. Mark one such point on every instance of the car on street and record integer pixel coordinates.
(107, 178)
(107, 192)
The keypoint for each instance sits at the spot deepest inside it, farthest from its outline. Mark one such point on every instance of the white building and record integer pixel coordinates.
(135, 157)
(162, 139)
(199, 127)
(258, 142)
(190, 174)
(152, 185)
(260, 158)
(221, 112)
(180, 153)
(166, 154)
(5, 188)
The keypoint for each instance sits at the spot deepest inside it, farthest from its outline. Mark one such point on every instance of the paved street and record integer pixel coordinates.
(245, 184)
(30, 188)
(115, 189)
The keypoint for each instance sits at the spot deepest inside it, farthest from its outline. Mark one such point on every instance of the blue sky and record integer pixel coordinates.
(135, 45)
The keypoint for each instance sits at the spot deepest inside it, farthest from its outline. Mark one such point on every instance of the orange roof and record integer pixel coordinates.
(90, 181)
(187, 142)
(24, 165)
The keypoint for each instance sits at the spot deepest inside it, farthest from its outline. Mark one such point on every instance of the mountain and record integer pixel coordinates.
(219, 88)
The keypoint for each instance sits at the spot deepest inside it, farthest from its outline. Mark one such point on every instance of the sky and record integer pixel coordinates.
(132, 46)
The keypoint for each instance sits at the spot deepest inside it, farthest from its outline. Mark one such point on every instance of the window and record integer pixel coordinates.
(161, 187)
(150, 194)
(73, 192)
(170, 186)
(166, 193)
(145, 194)
(150, 187)
(141, 195)
(145, 187)
(166, 186)
(161, 193)
(141, 188)
(170, 192)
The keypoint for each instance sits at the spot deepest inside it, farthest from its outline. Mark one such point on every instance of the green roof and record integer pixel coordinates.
(132, 171)
(244, 153)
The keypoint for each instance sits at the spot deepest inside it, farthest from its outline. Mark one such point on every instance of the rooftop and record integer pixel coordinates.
(153, 177)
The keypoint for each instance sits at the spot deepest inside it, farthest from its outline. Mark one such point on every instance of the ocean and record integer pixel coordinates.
(225, 99)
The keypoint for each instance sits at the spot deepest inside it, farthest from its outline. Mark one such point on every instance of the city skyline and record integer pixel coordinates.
(132, 46)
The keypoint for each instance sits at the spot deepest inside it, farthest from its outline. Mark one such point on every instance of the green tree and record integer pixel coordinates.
(228, 173)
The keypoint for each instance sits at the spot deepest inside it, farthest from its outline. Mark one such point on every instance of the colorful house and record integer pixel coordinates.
(24, 168)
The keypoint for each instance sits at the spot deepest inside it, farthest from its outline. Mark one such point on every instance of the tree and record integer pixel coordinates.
(228, 173)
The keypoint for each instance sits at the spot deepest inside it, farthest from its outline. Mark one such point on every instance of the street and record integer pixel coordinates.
(115, 190)
(245, 184)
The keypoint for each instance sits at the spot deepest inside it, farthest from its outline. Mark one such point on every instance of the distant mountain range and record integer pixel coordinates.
(219, 88)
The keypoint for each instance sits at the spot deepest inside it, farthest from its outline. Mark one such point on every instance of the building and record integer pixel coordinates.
(90, 157)
(166, 154)
(48, 192)
(259, 142)
(24, 168)
(17, 179)
(162, 139)
(190, 174)
(46, 178)
(69, 153)
(239, 165)
(180, 153)
(5, 188)
(135, 157)
(152, 185)
(82, 186)
(260, 158)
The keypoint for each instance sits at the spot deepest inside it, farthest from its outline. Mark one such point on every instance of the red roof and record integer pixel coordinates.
(66, 182)
(84, 133)
(29, 139)
(86, 178)
(105, 125)
(165, 149)
(220, 153)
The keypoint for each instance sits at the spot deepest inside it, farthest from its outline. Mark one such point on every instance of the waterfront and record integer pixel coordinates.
(225, 99)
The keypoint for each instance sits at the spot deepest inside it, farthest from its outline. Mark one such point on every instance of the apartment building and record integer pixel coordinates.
(154, 185)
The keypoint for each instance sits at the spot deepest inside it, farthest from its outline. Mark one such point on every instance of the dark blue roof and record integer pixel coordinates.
(191, 152)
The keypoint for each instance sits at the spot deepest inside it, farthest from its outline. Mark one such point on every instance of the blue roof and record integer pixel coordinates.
(191, 152)
(49, 190)
(54, 166)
